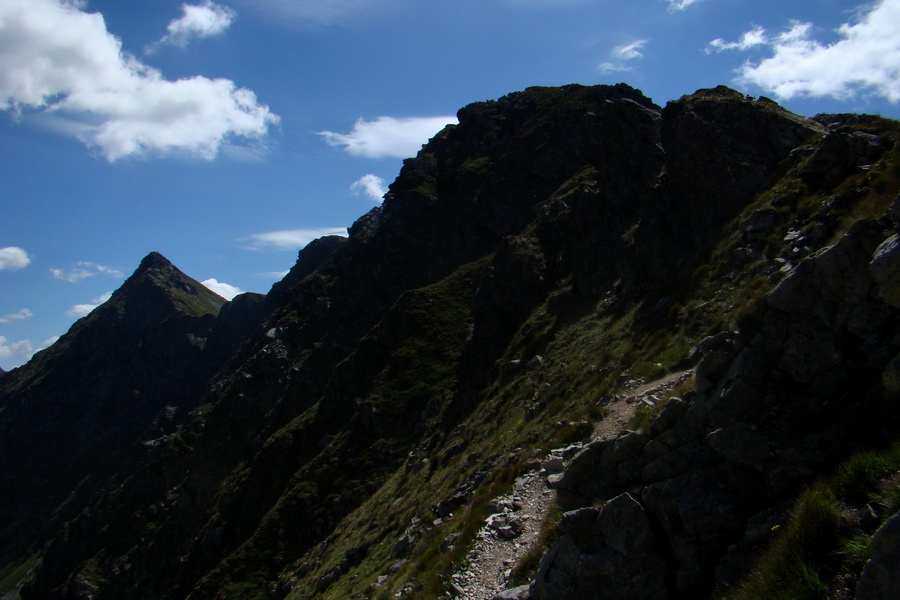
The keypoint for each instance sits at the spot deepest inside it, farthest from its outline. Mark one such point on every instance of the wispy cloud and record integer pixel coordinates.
(290, 239)
(196, 21)
(13, 258)
(388, 136)
(322, 12)
(677, 5)
(865, 60)
(58, 61)
(226, 290)
(750, 39)
(81, 310)
(620, 56)
(370, 185)
(84, 270)
(274, 275)
(21, 315)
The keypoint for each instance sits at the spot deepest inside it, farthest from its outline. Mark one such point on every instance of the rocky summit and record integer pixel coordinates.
(588, 347)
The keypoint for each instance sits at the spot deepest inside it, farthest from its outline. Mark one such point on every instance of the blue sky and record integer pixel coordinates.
(227, 134)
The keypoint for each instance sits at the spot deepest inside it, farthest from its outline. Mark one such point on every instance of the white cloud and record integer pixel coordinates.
(292, 239)
(676, 5)
(13, 259)
(196, 21)
(621, 56)
(15, 354)
(388, 136)
(629, 51)
(84, 270)
(81, 310)
(750, 39)
(274, 275)
(22, 315)
(57, 60)
(370, 185)
(866, 58)
(607, 68)
(226, 290)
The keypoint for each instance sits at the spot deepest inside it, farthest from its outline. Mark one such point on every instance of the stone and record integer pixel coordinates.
(553, 465)
(885, 271)
(714, 363)
(517, 593)
(616, 556)
(740, 444)
(880, 578)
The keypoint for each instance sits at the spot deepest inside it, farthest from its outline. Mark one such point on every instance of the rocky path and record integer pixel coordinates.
(513, 528)
(506, 537)
(620, 410)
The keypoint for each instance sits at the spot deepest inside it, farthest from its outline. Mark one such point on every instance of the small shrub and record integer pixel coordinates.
(642, 419)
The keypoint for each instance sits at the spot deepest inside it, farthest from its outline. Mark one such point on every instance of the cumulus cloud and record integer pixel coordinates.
(81, 310)
(370, 185)
(21, 315)
(291, 239)
(84, 270)
(15, 354)
(388, 136)
(621, 56)
(57, 60)
(226, 290)
(13, 258)
(865, 60)
(197, 21)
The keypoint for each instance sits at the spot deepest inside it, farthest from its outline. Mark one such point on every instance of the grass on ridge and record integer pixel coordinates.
(817, 541)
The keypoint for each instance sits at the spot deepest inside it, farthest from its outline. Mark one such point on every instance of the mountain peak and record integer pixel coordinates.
(154, 260)
(156, 273)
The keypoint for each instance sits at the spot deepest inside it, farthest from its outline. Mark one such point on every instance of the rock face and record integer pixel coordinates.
(615, 543)
(770, 409)
(338, 436)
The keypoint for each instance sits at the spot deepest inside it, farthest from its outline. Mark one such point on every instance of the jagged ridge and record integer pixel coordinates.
(383, 377)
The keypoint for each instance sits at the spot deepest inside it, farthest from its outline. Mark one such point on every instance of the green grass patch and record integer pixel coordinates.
(15, 573)
(818, 541)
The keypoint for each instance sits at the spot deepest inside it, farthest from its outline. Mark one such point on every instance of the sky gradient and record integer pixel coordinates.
(226, 135)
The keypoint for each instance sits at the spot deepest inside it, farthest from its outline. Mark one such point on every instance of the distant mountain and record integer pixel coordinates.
(347, 434)
(75, 408)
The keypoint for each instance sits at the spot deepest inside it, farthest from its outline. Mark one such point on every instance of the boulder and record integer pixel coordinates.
(614, 555)
(880, 578)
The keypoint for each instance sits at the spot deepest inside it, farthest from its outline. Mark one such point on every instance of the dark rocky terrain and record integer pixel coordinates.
(347, 434)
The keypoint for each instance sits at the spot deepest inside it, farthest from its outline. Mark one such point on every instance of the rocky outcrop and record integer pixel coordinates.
(774, 404)
(614, 543)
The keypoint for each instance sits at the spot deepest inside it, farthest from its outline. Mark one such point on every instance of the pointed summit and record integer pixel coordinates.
(157, 286)
(92, 394)
(154, 260)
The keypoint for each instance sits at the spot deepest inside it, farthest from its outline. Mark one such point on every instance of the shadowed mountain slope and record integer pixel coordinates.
(343, 436)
